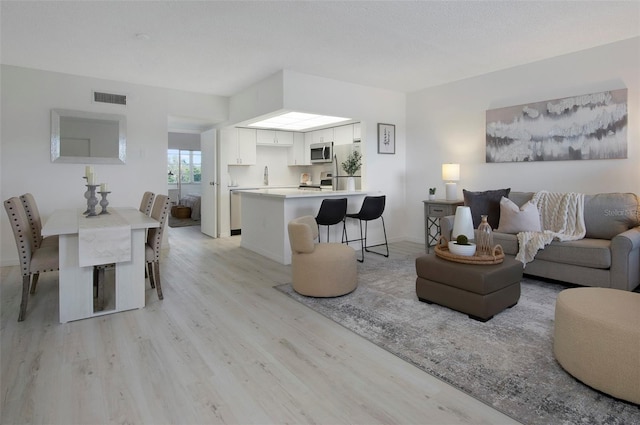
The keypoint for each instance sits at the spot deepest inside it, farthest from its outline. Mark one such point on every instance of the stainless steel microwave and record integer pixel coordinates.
(321, 152)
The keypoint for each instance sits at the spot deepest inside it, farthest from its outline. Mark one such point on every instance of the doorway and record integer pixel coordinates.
(191, 162)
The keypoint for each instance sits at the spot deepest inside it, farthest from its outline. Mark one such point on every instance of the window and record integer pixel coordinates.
(184, 164)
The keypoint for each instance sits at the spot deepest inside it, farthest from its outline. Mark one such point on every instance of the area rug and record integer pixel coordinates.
(506, 362)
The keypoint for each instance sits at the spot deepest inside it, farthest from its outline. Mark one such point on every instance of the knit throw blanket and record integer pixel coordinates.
(561, 218)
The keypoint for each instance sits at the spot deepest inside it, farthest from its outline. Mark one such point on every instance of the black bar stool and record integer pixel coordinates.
(332, 211)
(372, 209)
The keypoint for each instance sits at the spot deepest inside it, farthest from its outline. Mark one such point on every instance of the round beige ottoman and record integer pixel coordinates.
(597, 339)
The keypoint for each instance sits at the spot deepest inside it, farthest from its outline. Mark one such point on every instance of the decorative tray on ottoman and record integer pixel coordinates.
(442, 251)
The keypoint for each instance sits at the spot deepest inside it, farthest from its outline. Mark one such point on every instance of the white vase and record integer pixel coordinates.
(351, 184)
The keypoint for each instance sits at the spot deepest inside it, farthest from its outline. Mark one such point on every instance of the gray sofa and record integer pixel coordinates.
(608, 256)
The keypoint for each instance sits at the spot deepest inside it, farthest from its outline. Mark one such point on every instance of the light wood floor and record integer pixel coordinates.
(223, 347)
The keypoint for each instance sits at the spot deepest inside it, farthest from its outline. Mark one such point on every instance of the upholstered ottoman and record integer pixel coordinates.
(481, 291)
(597, 339)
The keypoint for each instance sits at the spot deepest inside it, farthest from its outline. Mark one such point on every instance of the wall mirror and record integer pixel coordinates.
(88, 137)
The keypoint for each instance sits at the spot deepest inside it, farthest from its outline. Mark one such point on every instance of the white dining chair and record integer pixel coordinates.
(33, 260)
(159, 212)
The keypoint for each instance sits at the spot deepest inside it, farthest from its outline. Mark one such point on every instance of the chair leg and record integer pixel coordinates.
(26, 280)
(34, 282)
(386, 243)
(151, 280)
(344, 232)
(156, 268)
(363, 241)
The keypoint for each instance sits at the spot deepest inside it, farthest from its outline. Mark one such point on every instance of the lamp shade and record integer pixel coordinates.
(463, 223)
(451, 172)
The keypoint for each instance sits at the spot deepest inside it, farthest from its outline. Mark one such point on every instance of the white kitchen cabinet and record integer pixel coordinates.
(356, 132)
(299, 152)
(322, 136)
(275, 138)
(243, 147)
(343, 135)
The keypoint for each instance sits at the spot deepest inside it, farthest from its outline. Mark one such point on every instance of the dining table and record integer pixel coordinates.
(116, 239)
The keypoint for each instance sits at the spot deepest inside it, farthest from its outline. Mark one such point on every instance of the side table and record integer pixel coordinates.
(433, 211)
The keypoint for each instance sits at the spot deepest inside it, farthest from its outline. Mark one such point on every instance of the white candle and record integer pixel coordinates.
(104, 187)
(90, 178)
(87, 170)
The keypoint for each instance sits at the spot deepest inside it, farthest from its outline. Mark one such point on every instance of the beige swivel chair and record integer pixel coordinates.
(159, 212)
(320, 270)
(33, 261)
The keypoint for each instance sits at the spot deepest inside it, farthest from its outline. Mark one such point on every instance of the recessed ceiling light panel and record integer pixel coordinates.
(295, 121)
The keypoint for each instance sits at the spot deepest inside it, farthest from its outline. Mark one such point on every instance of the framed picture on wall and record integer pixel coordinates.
(386, 138)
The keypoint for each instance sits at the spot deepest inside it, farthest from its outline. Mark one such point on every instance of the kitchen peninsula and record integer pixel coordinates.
(266, 213)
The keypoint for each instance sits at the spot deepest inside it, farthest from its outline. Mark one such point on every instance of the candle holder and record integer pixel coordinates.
(87, 195)
(92, 201)
(103, 202)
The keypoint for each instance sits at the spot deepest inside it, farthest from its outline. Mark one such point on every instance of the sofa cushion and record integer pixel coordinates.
(593, 253)
(514, 219)
(520, 198)
(485, 203)
(508, 242)
(609, 214)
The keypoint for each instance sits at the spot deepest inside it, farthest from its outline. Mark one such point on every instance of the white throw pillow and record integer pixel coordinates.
(514, 219)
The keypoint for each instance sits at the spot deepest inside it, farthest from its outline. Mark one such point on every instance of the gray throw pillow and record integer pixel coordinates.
(485, 203)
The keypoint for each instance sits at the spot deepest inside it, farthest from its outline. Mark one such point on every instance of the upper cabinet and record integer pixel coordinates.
(243, 147)
(275, 138)
(299, 152)
(325, 135)
(356, 132)
(344, 135)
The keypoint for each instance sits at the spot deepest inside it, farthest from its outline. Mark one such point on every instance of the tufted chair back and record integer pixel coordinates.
(33, 215)
(154, 236)
(25, 242)
(159, 212)
(147, 203)
(33, 260)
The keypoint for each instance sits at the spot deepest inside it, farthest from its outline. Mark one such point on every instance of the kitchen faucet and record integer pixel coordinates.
(266, 176)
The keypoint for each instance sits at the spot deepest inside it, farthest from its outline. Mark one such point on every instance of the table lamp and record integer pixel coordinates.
(451, 174)
(463, 224)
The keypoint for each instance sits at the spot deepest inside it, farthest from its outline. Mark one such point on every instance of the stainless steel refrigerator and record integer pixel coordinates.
(340, 154)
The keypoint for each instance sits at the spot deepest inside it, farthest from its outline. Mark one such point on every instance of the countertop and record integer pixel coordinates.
(234, 188)
(297, 193)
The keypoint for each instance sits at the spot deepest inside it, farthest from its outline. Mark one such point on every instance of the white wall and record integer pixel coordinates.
(27, 99)
(186, 141)
(447, 124)
(292, 91)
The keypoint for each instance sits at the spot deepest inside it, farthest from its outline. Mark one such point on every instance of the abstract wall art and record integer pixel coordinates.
(591, 126)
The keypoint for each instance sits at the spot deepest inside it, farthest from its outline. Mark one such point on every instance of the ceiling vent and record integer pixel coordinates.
(115, 99)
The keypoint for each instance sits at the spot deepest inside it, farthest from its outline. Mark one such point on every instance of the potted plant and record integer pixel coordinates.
(462, 246)
(350, 166)
(432, 193)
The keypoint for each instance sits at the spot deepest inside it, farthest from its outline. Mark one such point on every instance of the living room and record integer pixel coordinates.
(435, 125)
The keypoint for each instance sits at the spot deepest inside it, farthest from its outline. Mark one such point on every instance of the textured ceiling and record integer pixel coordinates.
(221, 47)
